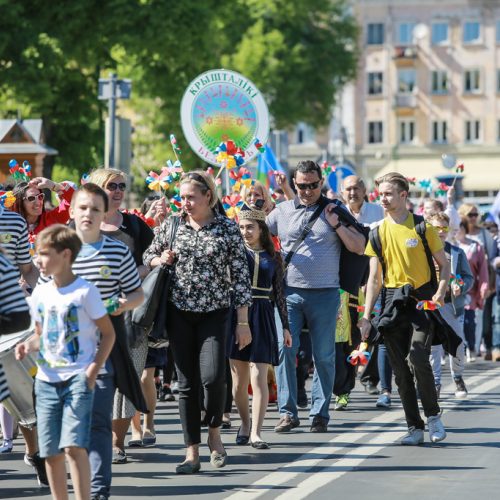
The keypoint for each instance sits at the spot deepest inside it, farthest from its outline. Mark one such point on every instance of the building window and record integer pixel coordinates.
(375, 132)
(472, 81)
(439, 34)
(405, 33)
(439, 132)
(375, 83)
(375, 34)
(440, 82)
(407, 78)
(406, 131)
(472, 131)
(305, 133)
(472, 32)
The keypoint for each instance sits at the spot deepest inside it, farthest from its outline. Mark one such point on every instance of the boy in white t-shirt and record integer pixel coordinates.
(68, 313)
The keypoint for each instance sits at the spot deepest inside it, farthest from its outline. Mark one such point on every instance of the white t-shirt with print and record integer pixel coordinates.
(69, 336)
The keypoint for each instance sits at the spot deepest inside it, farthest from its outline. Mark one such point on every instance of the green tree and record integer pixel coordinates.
(298, 53)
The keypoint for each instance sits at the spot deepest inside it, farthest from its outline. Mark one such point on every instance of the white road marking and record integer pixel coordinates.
(317, 455)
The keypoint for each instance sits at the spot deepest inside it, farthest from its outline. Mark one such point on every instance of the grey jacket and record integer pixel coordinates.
(459, 267)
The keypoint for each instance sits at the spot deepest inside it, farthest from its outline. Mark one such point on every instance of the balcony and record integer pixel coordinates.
(405, 102)
(405, 56)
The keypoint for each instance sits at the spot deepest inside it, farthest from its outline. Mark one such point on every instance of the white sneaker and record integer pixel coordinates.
(413, 438)
(436, 429)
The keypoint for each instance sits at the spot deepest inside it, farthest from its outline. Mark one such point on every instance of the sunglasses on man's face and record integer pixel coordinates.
(32, 198)
(445, 229)
(310, 186)
(113, 186)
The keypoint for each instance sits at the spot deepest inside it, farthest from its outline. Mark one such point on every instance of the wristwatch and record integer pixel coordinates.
(337, 226)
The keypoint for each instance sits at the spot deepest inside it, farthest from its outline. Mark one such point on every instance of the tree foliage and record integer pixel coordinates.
(298, 53)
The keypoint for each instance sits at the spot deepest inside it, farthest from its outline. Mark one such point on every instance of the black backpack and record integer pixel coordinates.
(420, 228)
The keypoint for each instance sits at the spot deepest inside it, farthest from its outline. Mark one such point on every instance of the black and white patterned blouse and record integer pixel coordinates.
(210, 263)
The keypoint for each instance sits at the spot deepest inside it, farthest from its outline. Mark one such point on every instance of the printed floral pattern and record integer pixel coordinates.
(210, 263)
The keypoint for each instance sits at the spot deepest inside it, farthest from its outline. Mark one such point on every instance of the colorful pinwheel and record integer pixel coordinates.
(327, 169)
(426, 185)
(175, 203)
(456, 279)
(374, 196)
(442, 189)
(411, 180)
(258, 146)
(232, 205)
(158, 182)
(240, 179)
(175, 146)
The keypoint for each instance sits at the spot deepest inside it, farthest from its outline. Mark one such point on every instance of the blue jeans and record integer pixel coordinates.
(384, 369)
(101, 438)
(496, 323)
(317, 308)
(63, 411)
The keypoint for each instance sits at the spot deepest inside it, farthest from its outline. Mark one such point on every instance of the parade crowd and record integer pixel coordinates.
(298, 282)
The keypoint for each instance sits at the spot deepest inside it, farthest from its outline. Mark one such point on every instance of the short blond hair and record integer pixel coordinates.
(268, 201)
(395, 178)
(101, 176)
(204, 182)
(60, 237)
(439, 217)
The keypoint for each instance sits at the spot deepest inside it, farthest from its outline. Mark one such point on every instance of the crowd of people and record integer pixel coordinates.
(289, 285)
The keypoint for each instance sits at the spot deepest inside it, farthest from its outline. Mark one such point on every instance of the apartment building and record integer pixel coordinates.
(428, 90)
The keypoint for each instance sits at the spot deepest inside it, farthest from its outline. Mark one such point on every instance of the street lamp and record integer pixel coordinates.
(111, 89)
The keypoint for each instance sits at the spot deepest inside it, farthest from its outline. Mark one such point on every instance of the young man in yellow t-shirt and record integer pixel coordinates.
(408, 338)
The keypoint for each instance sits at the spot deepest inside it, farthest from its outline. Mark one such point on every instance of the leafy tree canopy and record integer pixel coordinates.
(298, 53)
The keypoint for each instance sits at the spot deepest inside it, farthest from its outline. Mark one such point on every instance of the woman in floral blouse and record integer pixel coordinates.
(210, 264)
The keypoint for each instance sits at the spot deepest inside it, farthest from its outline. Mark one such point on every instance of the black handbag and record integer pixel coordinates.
(155, 287)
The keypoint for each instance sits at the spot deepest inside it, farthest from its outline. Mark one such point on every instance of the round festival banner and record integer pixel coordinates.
(221, 105)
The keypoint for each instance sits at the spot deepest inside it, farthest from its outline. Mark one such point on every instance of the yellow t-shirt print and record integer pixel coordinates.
(404, 254)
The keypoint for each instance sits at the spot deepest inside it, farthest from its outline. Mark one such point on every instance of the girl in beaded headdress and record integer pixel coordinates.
(250, 364)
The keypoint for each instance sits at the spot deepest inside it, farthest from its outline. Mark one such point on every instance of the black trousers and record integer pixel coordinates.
(198, 343)
(409, 346)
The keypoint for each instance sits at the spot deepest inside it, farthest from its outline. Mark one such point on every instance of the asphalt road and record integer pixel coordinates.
(358, 457)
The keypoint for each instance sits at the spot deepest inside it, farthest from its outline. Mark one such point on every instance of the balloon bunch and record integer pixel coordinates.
(20, 173)
(229, 155)
(232, 205)
(428, 305)
(240, 179)
(7, 199)
(359, 356)
(327, 169)
(456, 279)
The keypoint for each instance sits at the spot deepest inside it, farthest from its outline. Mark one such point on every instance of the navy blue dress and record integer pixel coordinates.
(267, 290)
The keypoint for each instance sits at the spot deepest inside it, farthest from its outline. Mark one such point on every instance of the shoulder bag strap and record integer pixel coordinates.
(305, 231)
(174, 226)
(420, 228)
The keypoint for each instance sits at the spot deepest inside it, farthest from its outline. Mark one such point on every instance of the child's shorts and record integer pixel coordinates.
(64, 414)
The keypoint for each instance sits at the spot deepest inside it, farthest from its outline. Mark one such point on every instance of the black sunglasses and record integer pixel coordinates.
(113, 186)
(32, 198)
(311, 185)
(197, 177)
(473, 214)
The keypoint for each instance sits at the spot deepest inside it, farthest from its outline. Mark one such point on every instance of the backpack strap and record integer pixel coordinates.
(376, 244)
(420, 228)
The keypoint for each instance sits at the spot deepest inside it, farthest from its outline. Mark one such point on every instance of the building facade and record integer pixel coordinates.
(428, 90)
